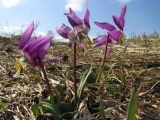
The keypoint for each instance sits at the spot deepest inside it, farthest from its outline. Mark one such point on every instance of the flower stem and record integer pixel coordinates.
(104, 59)
(74, 71)
(45, 77)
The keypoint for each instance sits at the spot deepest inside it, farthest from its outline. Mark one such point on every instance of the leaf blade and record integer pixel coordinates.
(132, 107)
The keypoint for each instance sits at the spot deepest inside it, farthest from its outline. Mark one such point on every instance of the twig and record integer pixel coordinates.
(143, 93)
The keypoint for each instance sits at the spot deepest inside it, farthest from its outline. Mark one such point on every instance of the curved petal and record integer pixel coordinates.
(73, 19)
(37, 48)
(105, 26)
(86, 18)
(101, 40)
(117, 22)
(122, 21)
(70, 12)
(123, 11)
(26, 35)
(122, 17)
(43, 52)
(63, 31)
(115, 35)
(40, 44)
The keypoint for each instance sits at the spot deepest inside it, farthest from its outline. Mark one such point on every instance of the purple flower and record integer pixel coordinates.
(34, 49)
(66, 32)
(79, 33)
(80, 28)
(77, 23)
(119, 21)
(111, 37)
(73, 19)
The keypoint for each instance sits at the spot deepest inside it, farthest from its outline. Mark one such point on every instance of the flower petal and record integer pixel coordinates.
(122, 17)
(115, 35)
(70, 12)
(101, 40)
(40, 44)
(105, 26)
(26, 35)
(117, 22)
(36, 49)
(86, 18)
(63, 31)
(123, 11)
(73, 19)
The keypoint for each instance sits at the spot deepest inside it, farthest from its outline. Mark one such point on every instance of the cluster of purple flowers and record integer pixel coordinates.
(35, 49)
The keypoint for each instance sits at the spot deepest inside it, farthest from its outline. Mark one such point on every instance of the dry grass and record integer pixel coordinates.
(139, 66)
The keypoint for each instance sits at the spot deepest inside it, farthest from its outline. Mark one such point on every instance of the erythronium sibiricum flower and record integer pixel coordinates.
(80, 30)
(66, 32)
(35, 49)
(113, 35)
(77, 23)
(78, 36)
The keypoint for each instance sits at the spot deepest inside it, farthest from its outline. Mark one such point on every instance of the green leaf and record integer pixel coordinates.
(63, 107)
(125, 49)
(53, 99)
(92, 76)
(58, 110)
(102, 108)
(48, 107)
(83, 81)
(3, 106)
(110, 85)
(111, 68)
(35, 110)
(105, 74)
(132, 108)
